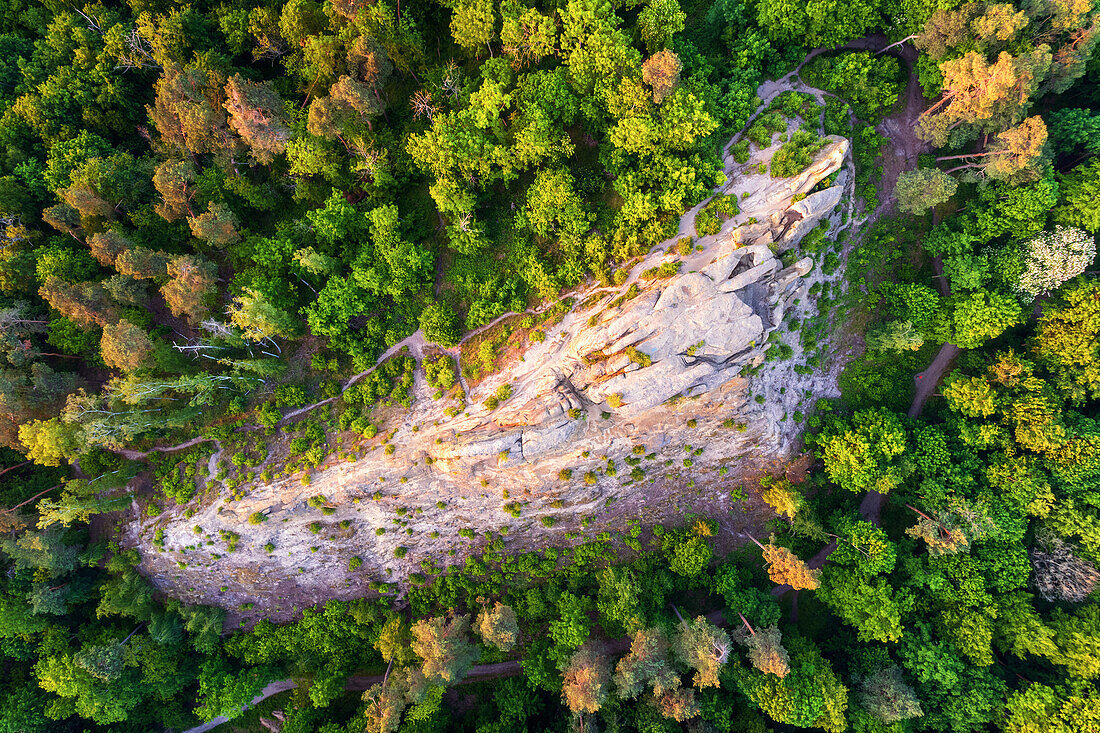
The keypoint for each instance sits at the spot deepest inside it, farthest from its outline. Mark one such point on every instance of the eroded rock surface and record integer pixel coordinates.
(612, 376)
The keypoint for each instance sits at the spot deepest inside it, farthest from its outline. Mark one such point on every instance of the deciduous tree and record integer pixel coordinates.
(661, 72)
(1052, 258)
(473, 25)
(1079, 191)
(440, 324)
(659, 21)
(888, 698)
(924, 188)
(1067, 339)
(50, 442)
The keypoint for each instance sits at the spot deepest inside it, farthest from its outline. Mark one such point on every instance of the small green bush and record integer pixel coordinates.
(719, 209)
(796, 155)
(640, 358)
(740, 151)
(665, 270)
(354, 563)
(257, 518)
(441, 374)
(291, 395)
(764, 127)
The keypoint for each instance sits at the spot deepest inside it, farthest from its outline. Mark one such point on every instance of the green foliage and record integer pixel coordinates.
(710, 218)
(440, 325)
(865, 453)
(795, 155)
(870, 83)
(811, 695)
(369, 186)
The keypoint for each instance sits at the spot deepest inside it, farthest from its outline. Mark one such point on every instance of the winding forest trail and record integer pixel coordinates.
(927, 381)
(478, 673)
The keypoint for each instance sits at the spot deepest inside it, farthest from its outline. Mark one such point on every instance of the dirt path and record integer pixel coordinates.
(479, 673)
(927, 381)
(137, 455)
(272, 689)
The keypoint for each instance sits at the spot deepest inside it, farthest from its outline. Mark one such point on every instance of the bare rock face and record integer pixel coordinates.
(658, 378)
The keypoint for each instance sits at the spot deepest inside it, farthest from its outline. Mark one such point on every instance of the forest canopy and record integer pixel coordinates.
(216, 216)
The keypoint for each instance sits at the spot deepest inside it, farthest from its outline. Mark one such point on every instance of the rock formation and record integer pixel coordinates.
(627, 401)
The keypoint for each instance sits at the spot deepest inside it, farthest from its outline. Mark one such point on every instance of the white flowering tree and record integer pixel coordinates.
(1052, 258)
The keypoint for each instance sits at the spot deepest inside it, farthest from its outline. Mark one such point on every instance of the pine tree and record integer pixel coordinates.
(217, 225)
(256, 114)
(444, 645)
(786, 568)
(646, 665)
(142, 263)
(86, 304)
(766, 650)
(587, 678)
(125, 346)
(259, 318)
(191, 286)
(173, 179)
(703, 647)
(107, 246)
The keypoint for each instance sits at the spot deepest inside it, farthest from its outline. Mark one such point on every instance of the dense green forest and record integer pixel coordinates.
(216, 211)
